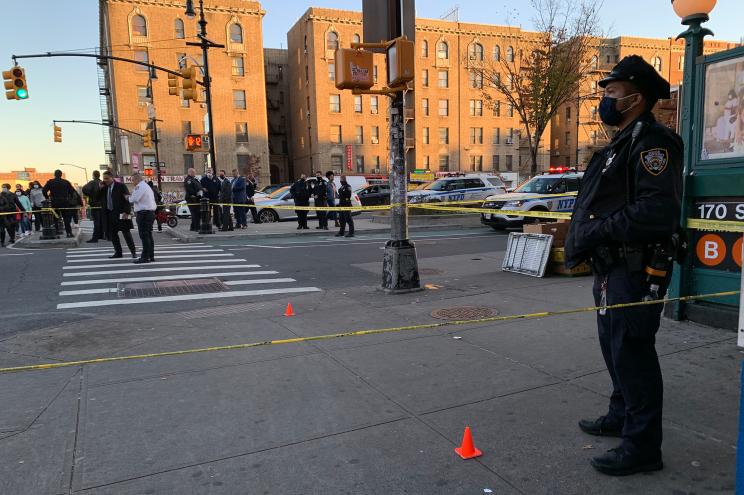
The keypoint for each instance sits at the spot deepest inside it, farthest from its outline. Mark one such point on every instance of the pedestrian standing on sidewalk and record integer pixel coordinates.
(250, 191)
(117, 218)
(320, 194)
(9, 208)
(37, 202)
(143, 201)
(239, 198)
(344, 199)
(92, 190)
(194, 193)
(62, 194)
(225, 199)
(332, 194)
(211, 186)
(301, 197)
(24, 225)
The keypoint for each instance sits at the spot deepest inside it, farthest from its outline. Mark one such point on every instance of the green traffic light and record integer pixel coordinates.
(22, 94)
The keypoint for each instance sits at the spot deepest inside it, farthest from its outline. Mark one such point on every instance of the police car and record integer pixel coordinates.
(530, 197)
(463, 187)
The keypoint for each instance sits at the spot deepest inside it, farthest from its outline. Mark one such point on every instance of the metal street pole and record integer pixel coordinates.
(400, 265)
(85, 170)
(155, 139)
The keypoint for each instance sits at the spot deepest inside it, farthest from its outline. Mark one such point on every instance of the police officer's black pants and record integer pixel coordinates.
(322, 219)
(627, 337)
(195, 212)
(346, 218)
(302, 218)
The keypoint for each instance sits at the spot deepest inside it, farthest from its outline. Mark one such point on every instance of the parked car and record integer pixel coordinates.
(282, 197)
(272, 187)
(476, 187)
(530, 196)
(373, 195)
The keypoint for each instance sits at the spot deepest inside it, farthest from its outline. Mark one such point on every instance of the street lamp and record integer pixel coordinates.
(190, 9)
(693, 13)
(85, 170)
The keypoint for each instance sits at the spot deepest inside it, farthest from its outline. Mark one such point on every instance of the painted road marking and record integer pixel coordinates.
(83, 249)
(114, 290)
(149, 270)
(156, 252)
(165, 277)
(187, 297)
(179, 256)
(108, 265)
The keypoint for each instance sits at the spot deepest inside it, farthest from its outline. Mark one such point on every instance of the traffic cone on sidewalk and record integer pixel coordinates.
(467, 450)
(289, 311)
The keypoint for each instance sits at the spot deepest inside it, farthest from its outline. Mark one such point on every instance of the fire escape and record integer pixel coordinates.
(104, 90)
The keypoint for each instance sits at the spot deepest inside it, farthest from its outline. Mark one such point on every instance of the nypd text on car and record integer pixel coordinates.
(466, 187)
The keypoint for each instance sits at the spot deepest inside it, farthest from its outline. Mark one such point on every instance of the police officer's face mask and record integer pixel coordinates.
(608, 111)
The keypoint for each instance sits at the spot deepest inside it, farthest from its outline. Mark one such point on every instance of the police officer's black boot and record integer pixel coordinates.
(601, 427)
(621, 462)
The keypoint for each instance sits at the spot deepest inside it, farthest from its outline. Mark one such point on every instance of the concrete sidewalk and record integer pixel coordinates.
(379, 414)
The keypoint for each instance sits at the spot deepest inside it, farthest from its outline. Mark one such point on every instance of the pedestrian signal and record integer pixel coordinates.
(15, 83)
(400, 62)
(196, 142)
(354, 69)
(57, 134)
(148, 172)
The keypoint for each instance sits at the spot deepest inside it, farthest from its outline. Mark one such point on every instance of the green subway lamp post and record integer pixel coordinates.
(693, 14)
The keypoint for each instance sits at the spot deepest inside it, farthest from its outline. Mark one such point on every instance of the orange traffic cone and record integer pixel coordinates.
(289, 311)
(467, 450)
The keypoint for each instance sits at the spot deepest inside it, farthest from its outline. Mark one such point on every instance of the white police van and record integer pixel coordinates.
(530, 197)
(462, 187)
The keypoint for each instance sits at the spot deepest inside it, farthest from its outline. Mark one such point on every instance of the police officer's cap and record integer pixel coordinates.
(635, 70)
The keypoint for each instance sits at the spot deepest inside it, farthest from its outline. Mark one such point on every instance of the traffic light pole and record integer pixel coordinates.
(155, 138)
(97, 123)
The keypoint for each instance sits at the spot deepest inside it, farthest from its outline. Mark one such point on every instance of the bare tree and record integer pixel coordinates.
(542, 70)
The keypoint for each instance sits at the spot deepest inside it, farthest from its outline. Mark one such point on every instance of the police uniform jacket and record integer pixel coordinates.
(344, 195)
(61, 192)
(630, 193)
(320, 191)
(300, 193)
(192, 187)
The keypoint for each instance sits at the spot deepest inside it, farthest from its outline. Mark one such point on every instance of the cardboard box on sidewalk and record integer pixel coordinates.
(557, 229)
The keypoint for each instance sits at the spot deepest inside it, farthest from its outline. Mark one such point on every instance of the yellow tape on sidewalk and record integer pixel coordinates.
(358, 333)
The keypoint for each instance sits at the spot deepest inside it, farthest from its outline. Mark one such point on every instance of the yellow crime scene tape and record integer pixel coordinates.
(359, 333)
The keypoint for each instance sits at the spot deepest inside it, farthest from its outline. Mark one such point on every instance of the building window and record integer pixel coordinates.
(476, 108)
(331, 71)
(238, 66)
(307, 75)
(443, 79)
(241, 132)
(375, 138)
(426, 135)
(185, 103)
(376, 163)
(359, 134)
(180, 31)
(336, 137)
(568, 113)
(442, 50)
(358, 103)
(476, 135)
(141, 56)
(374, 74)
(139, 26)
(236, 33)
(593, 137)
(425, 49)
(443, 108)
(476, 163)
(681, 63)
(495, 162)
(509, 54)
(425, 78)
(181, 60)
(594, 62)
(444, 163)
(360, 164)
(509, 163)
(656, 62)
(332, 41)
(496, 136)
(185, 128)
(188, 162)
(476, 79)
(335, 104)
(510, 110)
(595, 111)
(510, 135)
(497, 53)
(497, 109)
(337, 162)
(444, 135)
(356, 38)
(239, 99)
(476, 52)
(373, 105)
(426, 162)
(142, 95)
(425, 106)
(568, 138)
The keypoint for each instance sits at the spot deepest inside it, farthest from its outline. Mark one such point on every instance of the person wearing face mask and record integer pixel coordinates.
(212, 189)
(344, 199)
(10, 205)
(62, 193)
(225, 199)
(626, 213)
(23, 227)
(36, 195)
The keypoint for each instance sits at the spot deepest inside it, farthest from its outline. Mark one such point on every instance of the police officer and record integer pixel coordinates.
(320, 193)
(193, 193)
(301, 195)
(629, 208)
(344, 199)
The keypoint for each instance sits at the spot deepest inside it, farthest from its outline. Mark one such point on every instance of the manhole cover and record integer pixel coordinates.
(171, 288)
(464, 313)
(430, 271)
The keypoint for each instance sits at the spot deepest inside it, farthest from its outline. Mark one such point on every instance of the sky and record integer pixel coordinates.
(67, 88)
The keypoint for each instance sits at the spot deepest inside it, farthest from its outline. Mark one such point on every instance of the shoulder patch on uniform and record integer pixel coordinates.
(655, 161)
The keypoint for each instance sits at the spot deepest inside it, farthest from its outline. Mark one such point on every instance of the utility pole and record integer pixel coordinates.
(205, 45)
(154, 120)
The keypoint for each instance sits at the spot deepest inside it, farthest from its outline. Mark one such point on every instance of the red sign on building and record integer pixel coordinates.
(349, 156)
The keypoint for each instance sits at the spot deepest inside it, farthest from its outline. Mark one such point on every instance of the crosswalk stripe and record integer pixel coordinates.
(114, 290)
(182, 246)
(147, 269)
(165, 277)
(179, 256)
(186, 297)
(204, 251)
(109, 265)
(110, 249)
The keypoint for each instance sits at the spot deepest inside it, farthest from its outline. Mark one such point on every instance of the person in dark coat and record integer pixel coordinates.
(239, 198)
(320, 195)
(10, 205)
(194, 192)
(225, 199)
(250, 191)
(344, 199)
(331, 194)
(92, 190)
(301, 196)
(61, 193)
(118, 214)
(211, 186)
(628, 209)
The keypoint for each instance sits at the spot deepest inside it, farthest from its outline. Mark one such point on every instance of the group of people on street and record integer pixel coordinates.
(224, 193)
(324, 193)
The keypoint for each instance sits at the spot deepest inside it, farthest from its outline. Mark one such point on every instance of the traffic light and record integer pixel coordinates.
(172, 84)
(15, 83)
(147, 139)
(57, 134)
(189, 84)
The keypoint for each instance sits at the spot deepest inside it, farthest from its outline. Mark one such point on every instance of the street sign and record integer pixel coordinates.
(382, 20)
(349, 156)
